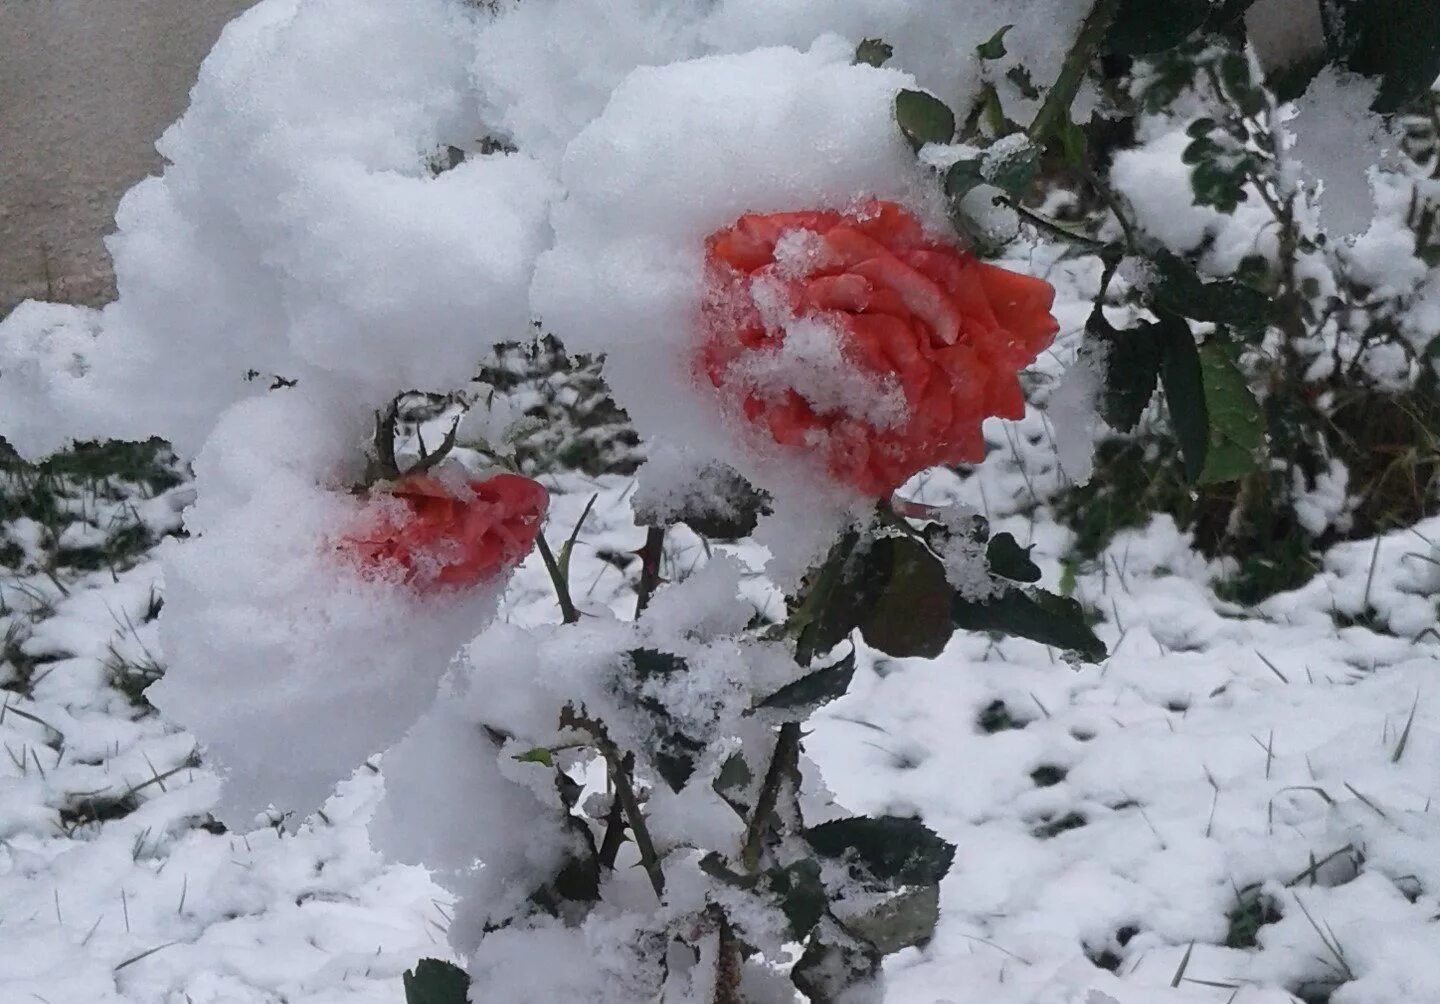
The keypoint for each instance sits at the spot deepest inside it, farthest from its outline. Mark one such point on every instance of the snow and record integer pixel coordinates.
(296, 231)
(1335, 143)
(1222, 758)
(1196, 756)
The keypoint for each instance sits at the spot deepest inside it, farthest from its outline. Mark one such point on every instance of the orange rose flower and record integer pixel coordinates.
(439, 538)
(859, 337)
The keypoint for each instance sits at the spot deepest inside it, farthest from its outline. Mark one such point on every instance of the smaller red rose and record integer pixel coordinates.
(447, 537)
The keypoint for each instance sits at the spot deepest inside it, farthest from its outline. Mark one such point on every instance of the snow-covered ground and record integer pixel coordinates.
(1236, 805)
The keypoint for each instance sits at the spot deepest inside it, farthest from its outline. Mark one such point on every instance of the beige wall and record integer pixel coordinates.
(86, 87)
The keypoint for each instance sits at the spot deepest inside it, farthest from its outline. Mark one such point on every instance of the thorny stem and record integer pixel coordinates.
(562, 588)
(728, 966)
(650, 553)
(624, 793)
(1072, 71)
(615, 821)
(787, 749)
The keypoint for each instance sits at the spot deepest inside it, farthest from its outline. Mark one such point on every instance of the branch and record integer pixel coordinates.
(1072, 71)
(562, 588)
(787, 748)
(624, 792)
(650, 553)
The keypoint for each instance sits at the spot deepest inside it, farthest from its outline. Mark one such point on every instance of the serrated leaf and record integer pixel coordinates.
(1007, 558)
(817, 688)
(994, 46)
(802, 895)
(1034, 614)
(826, 970)
(892, 849)
(912, 615)
(433, 981)
(901, 921)
(1184, 384)
(873, 52)
(1024, 83)
(649, 663)
(1131, 367)
(924, 118)
(1237, 425)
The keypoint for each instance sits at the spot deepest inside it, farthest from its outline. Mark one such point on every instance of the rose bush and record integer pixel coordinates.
(436, 535)
(861, 337)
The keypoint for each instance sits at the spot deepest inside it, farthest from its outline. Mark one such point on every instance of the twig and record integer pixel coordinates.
(650, 553)
(562, 588)
(1072, 71)
(787, 748)
(624, 792)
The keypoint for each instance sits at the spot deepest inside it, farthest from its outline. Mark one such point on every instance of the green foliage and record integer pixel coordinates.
(994, 46)
(1034, 614)
(1007, 558)
(889, 849)
(814, 689)
(575, 424)
(924, 118)
(1184, 383)
(433, 981)
(911, 615)
(1237, 427)
(873, 52)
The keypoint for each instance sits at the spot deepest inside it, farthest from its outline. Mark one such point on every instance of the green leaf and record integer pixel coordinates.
(1131, 367)
(1221, 301)
(802, 895)
(1012, 169)
(962, 176)
(1395, 40)
(649, 663)
(435, 982)
(1006, 557)
(1237, 425)
(1142, 27)
(1184, 383)
(924, 118)
(1024, 83)
(908, 918)
(911, 617)
(826, 971)
(1034, 614)
(831, 618)
(892, 849)
(873, 52)
(538, 755)
(817, 688)
(994, 46)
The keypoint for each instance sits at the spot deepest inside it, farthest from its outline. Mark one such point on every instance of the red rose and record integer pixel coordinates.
(440, 538)
(859, 337)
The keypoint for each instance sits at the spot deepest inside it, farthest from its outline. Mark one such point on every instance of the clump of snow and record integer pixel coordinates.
(288, 664)
(963, 554)
(811, 363)
(296, 231)
(1073, 415)
(1335, 142)
(1326, 502)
